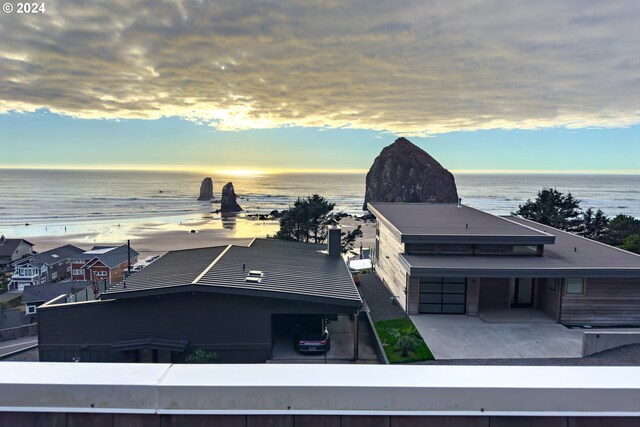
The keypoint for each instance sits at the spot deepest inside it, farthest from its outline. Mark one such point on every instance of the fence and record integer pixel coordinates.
(19, 332)
(90, 293)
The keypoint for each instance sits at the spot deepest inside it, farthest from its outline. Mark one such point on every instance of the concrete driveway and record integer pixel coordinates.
(469, 337)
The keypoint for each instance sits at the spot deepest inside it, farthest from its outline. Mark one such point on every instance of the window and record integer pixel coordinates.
(453, 249)
(100, 273)
(491, 249)
(78, 272)
(31, 309)
(575, 286)
(420, 248)
(54, 275)
(524, 249)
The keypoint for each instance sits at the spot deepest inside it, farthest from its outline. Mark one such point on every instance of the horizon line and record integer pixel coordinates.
(231, 170)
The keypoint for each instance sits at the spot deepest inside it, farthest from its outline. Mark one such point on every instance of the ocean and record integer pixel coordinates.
(61, 197)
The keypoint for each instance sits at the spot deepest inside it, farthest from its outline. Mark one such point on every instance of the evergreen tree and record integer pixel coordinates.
(348, 239)
(631, 243)
(620, 227)
(306, 221)
(553, 208)
(594, 225)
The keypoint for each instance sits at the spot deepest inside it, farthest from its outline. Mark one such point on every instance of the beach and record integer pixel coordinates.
(160, 235)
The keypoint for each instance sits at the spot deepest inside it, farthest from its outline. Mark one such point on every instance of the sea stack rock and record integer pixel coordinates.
(228, 202)
(403, 172)
(206, 190)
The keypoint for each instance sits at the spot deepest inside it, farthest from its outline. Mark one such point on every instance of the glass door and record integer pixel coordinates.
(523, 293)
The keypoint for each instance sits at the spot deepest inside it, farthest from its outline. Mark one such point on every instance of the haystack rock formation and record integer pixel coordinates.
(228, 202)
(403, 172)
(206, 190)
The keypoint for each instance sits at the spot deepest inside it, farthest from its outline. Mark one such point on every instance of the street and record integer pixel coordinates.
(10, 346)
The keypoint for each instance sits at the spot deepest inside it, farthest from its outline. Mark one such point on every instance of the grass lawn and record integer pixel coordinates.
(383, 328)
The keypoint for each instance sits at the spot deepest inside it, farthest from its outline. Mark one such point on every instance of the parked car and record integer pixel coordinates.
(312, 337)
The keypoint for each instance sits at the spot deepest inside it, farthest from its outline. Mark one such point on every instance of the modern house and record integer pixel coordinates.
(103, 263)
(35, 296)
(233, 300)
(12, 250)
(49, 266)
(453, 259)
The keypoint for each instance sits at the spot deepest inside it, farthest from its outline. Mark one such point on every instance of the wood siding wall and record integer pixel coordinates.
(494, 293)
(605, 302)
(237, 328)
(473, 295)
(548, 299)
(414, 294)
(388, 266)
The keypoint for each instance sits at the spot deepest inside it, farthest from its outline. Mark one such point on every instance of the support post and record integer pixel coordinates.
(128, 258)
(355, 335)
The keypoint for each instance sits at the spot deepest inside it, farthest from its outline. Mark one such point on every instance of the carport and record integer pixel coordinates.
(347, 343)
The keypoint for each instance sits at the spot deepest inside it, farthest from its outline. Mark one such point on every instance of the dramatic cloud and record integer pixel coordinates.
(405, 66)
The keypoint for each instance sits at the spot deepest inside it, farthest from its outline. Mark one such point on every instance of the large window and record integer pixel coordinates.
(525, 249)
(469, 249)
(78, 272)
(443, 295)
(575, 286)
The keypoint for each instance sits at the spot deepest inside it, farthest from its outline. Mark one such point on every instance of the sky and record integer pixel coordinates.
(274, 85)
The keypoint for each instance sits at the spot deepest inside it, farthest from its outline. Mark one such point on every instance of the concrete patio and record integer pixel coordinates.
(469, 337)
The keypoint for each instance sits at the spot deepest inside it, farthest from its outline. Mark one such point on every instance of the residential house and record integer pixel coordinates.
(233, 300)
(103, 263)
(35, 296)
(12, 250)
(49, 266)
(454, 259)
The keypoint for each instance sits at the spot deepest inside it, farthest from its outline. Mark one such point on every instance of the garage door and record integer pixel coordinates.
(443, 295)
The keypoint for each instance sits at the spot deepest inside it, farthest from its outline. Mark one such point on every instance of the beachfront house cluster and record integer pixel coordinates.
(108, 263)
(68, 262)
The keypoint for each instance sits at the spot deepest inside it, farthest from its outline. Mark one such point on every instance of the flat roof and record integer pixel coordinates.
(290, 270)
(449, 222)
(304, 389)
(570, 256)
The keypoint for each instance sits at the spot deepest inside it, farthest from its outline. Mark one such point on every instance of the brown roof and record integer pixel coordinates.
(10, 245)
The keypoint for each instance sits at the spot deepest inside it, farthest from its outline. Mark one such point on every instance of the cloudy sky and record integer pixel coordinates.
(303, 84)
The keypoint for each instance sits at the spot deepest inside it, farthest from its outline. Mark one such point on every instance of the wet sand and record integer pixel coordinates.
(155, 237)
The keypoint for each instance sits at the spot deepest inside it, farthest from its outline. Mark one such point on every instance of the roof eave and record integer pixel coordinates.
(167, 290)
(478, 239)
(613, 273)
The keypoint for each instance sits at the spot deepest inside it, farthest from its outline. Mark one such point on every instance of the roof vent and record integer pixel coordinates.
(255, 273)
(55, 256)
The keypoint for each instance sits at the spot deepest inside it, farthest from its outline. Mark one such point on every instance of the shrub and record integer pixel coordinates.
(407, 340)
(202, 356)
